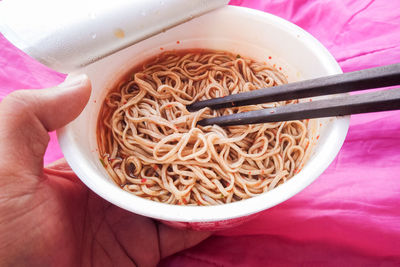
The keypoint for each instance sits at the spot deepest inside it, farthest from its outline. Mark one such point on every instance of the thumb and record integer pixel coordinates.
(27, 116)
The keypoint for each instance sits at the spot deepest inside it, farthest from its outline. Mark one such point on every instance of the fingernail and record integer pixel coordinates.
(74, 80)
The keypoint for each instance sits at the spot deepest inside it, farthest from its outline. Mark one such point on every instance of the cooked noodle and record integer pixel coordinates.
(150, 145)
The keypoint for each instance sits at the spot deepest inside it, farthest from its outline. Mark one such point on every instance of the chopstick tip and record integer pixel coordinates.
(202, 122)
(190, 108)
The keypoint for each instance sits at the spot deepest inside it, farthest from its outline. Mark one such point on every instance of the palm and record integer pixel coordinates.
(72, 226)
(101, 233)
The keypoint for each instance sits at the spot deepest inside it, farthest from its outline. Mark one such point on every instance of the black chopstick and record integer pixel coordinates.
(352, 81)
(339, 106)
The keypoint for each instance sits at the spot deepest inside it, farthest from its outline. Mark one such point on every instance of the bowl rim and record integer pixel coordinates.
(130, 202)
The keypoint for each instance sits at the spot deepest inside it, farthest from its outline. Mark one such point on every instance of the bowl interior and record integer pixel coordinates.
(243, 31)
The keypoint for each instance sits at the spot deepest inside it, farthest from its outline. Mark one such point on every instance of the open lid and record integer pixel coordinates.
(67, 35)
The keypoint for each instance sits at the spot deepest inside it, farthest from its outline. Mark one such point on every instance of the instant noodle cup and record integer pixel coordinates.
(250, 33)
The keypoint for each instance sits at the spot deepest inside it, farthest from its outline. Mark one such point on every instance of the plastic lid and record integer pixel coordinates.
(67, 35)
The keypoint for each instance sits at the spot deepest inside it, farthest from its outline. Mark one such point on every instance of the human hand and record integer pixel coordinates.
(47, 216)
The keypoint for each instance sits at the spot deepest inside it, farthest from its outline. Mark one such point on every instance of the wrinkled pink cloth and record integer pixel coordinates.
(349, 216)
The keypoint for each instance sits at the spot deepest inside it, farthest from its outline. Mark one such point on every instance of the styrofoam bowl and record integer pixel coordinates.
(243, 31)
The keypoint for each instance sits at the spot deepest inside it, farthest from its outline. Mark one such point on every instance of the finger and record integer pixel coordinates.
(174, 240)
(61, 169)
(58, 164)
(27, 116)
(56, 107)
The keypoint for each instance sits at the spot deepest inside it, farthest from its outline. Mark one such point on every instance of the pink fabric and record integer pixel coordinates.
(350, 215)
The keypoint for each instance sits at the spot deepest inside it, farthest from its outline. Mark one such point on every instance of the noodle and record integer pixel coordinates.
(150, 145)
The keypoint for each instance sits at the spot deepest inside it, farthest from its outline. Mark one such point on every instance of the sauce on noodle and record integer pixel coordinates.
(151, 146)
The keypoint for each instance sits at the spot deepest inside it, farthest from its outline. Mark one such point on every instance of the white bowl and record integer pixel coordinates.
(243, 31)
